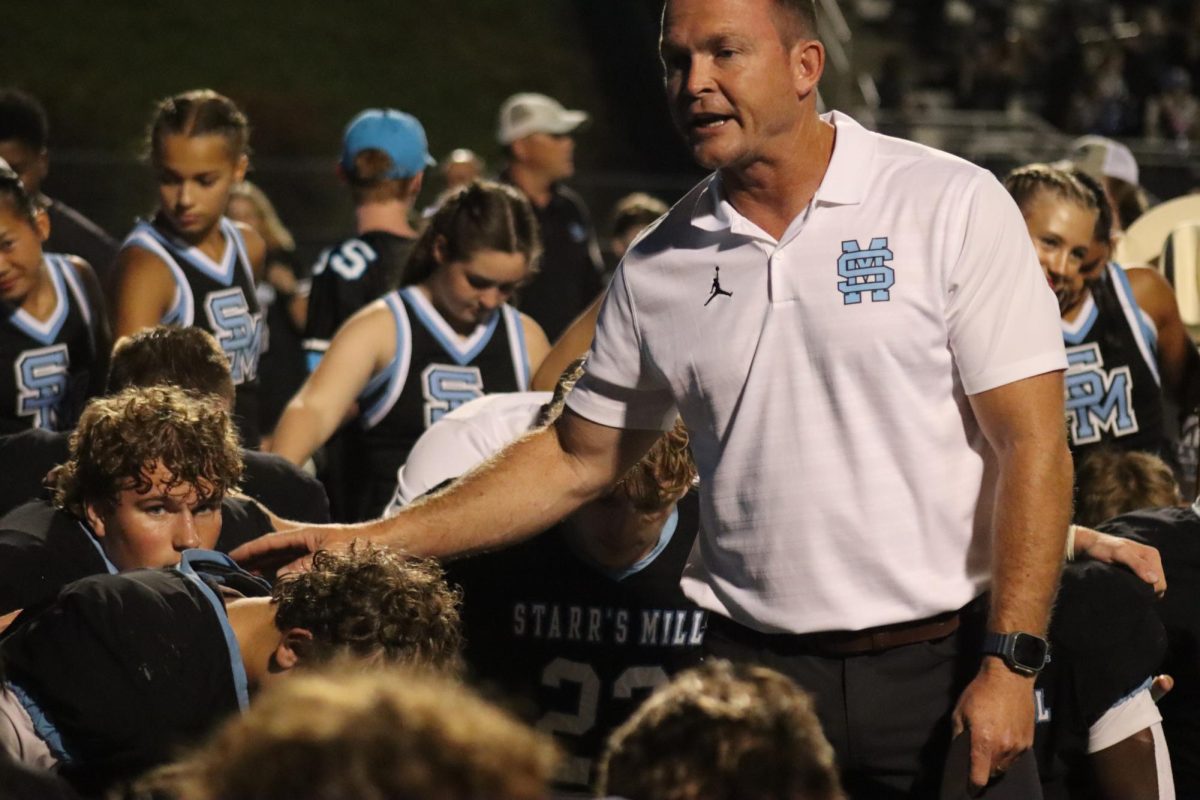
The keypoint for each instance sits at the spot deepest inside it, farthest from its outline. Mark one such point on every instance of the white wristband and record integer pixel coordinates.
(1070, 543)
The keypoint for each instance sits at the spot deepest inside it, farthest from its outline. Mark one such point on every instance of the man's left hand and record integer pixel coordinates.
(997, 711)
(1141, 559)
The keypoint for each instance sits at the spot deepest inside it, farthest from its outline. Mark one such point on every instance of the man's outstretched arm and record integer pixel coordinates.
(1023, 422)
(523, 490)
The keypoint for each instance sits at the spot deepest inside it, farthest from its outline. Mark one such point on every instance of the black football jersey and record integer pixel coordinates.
(574, 647)
(52, 367)
(347, 276)
(119, 671)
(1113, 394)
(1175, 532)
(1106, 644)
(220, 298)
(433, 372)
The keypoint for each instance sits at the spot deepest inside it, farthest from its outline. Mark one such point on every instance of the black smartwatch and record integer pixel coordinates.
(1022, 652)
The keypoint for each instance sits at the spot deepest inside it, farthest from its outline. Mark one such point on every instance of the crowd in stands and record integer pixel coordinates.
(1121, 69)
(167, 400)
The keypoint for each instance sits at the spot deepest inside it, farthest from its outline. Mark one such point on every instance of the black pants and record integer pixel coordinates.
(887, 714)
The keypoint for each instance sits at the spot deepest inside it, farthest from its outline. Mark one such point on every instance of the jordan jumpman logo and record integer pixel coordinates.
(716, 287)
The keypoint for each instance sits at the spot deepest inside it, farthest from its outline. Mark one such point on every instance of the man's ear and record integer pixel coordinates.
(808, 63)
(293, 648)
(95, 519)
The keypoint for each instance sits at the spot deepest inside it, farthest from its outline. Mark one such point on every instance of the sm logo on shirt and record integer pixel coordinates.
(238, 330)
(42, 384)
(864, 270)
(1098, 400)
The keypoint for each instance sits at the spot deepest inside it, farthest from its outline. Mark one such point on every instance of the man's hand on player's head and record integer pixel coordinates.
(1141, 559)
(290, 550)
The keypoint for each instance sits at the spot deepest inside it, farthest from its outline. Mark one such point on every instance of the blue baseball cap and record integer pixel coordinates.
(394, 132)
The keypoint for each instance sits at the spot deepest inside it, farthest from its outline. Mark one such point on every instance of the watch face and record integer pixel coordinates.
(1029, 651)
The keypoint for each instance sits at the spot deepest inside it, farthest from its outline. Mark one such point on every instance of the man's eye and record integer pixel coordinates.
(479, 283)
(206, 181)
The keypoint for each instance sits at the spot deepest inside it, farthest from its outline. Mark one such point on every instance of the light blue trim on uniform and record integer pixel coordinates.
(224, 272)
(147, 238)
(46, 730)
(1146, 684)
(395, 374)
(516, 335)
(77, 291)
(241, 685)
(1147, 340)
(1076, 331)
(441, 331)
(95, 541)
(233, 234)
(664, 539)
(46, 332)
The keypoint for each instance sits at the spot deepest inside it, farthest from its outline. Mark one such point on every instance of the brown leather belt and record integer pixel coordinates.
(846, 643)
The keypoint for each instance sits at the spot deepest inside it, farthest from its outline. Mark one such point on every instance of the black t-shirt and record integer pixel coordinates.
(43, 548)
(578, 648)
(72, 232)
(125, 669)
(284, 488)
(1106, 643)
(348, 276)
(25, 458)
(572, 268)
(1176, 534)
(281, 486)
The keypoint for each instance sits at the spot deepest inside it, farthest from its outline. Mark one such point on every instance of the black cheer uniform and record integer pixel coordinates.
(51, 368)
(433, 372)
(1113, 393)
(220, 298)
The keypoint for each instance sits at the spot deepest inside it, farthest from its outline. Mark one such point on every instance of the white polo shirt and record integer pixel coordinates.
(826, 396)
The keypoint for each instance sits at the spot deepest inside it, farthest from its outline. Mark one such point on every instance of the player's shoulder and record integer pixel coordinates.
(1103, 609)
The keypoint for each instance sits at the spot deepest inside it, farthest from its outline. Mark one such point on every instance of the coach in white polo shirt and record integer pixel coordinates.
(857, 334)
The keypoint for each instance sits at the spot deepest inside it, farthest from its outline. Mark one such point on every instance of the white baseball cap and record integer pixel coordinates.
(527, 112)
(1104, 158)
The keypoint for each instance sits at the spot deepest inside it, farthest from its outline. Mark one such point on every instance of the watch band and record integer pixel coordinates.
(1022, 652)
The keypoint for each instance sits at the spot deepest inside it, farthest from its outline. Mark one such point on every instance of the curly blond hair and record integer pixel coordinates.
(121, 439)
(373, 603)
(369, 735)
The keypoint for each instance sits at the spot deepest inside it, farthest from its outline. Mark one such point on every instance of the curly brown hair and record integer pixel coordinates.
(122, 437)
(663, 475)
(370, 735)
(371, 602)
(722, 732)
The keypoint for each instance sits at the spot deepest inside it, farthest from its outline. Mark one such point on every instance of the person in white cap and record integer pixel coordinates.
(536, 132)
(1114, 166)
